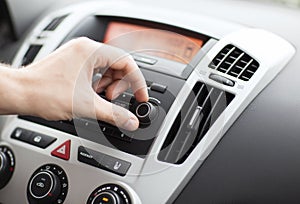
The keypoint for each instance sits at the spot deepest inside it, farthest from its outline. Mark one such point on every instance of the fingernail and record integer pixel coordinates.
(131, 125)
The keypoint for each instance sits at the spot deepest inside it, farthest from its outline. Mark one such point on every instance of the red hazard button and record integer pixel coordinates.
(63, 151)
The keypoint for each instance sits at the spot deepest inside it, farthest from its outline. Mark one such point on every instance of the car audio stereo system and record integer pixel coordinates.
(199, 78)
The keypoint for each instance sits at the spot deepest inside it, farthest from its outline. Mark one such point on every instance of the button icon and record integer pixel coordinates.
(37, 139)
(18, 133)
(117, 165)
(62, 151)
(40, 184)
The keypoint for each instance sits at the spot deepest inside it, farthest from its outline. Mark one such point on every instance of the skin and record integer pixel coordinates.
(59, 87)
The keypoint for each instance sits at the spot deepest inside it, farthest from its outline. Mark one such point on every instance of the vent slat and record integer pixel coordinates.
(31, 53)
(234, 62)
(178, 141)
(202, 108)
(55, 23)
(211, 113)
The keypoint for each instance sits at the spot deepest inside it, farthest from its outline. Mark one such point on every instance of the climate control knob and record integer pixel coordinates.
(48, 185)
(146, 112)
(109, 194)
(7, 165)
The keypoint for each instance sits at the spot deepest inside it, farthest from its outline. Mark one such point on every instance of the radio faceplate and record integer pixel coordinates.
(162, 91)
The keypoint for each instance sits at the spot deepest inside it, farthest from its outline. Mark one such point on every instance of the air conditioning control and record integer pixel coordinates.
(48, 185)
(109, 194)
(7, 165)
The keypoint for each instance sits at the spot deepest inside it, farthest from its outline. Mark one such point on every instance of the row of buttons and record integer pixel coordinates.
(107, 130)
(113, 132)
(85, 155)
(36, 139)
(103, 161)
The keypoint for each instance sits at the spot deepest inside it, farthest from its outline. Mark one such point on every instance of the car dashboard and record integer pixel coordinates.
(201, 74)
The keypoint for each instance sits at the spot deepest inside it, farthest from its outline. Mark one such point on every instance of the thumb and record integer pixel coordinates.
(115, 115)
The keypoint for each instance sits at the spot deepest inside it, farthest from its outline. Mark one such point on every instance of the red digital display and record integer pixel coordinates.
(155, 42)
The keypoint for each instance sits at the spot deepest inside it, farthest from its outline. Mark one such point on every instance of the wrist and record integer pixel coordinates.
(12, 91)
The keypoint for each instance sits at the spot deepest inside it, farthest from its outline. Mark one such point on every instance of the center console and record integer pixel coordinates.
(199, 76)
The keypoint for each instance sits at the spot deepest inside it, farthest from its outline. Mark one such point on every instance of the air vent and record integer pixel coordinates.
(202, 108)
(234, 62)
(55, 23)
(31, 53)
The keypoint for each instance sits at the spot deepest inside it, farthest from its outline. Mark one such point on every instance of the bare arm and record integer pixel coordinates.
(59, 86)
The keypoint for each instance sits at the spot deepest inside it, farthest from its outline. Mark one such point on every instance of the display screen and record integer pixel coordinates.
(155, 42)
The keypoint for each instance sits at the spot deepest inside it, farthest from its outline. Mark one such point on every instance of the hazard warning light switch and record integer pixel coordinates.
(62, 151)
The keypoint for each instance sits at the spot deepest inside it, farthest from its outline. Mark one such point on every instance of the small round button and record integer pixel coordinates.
(41, 185)
(146, 112)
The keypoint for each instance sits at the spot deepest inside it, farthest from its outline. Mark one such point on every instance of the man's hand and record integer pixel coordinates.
(59, 87)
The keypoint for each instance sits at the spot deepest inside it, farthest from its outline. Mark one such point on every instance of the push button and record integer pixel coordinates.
(222, 80)
(41, 140)
(149, 83)
(103, 161)
(41, 185)
(36, 139)
(115, 165)
(21, 134)
(62, 151)
(145, 60)
(121, 136)
(158, 88)
(89, 156)
(106, 130)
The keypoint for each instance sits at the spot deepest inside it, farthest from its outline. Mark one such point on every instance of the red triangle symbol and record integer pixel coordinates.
(62, 151)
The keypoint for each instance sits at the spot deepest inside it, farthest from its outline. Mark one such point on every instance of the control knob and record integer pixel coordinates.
(48, 185)
(109, 194)
(146, 112)
(7, 164)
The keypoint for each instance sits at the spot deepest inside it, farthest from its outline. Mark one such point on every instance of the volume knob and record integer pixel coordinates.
(146, 112)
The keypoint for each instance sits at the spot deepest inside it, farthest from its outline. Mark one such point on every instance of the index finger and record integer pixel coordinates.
(117, 59)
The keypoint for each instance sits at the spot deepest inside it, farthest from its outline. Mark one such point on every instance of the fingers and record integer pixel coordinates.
(116, 88)
(115, 115)
(118, 60)
(103, 84)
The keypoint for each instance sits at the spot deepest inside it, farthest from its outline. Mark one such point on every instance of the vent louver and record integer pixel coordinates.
(31, 53)
(54, 23)
(202, 108)
(234, 62)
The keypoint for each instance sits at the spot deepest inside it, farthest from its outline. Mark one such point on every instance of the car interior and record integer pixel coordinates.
(221, 124)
